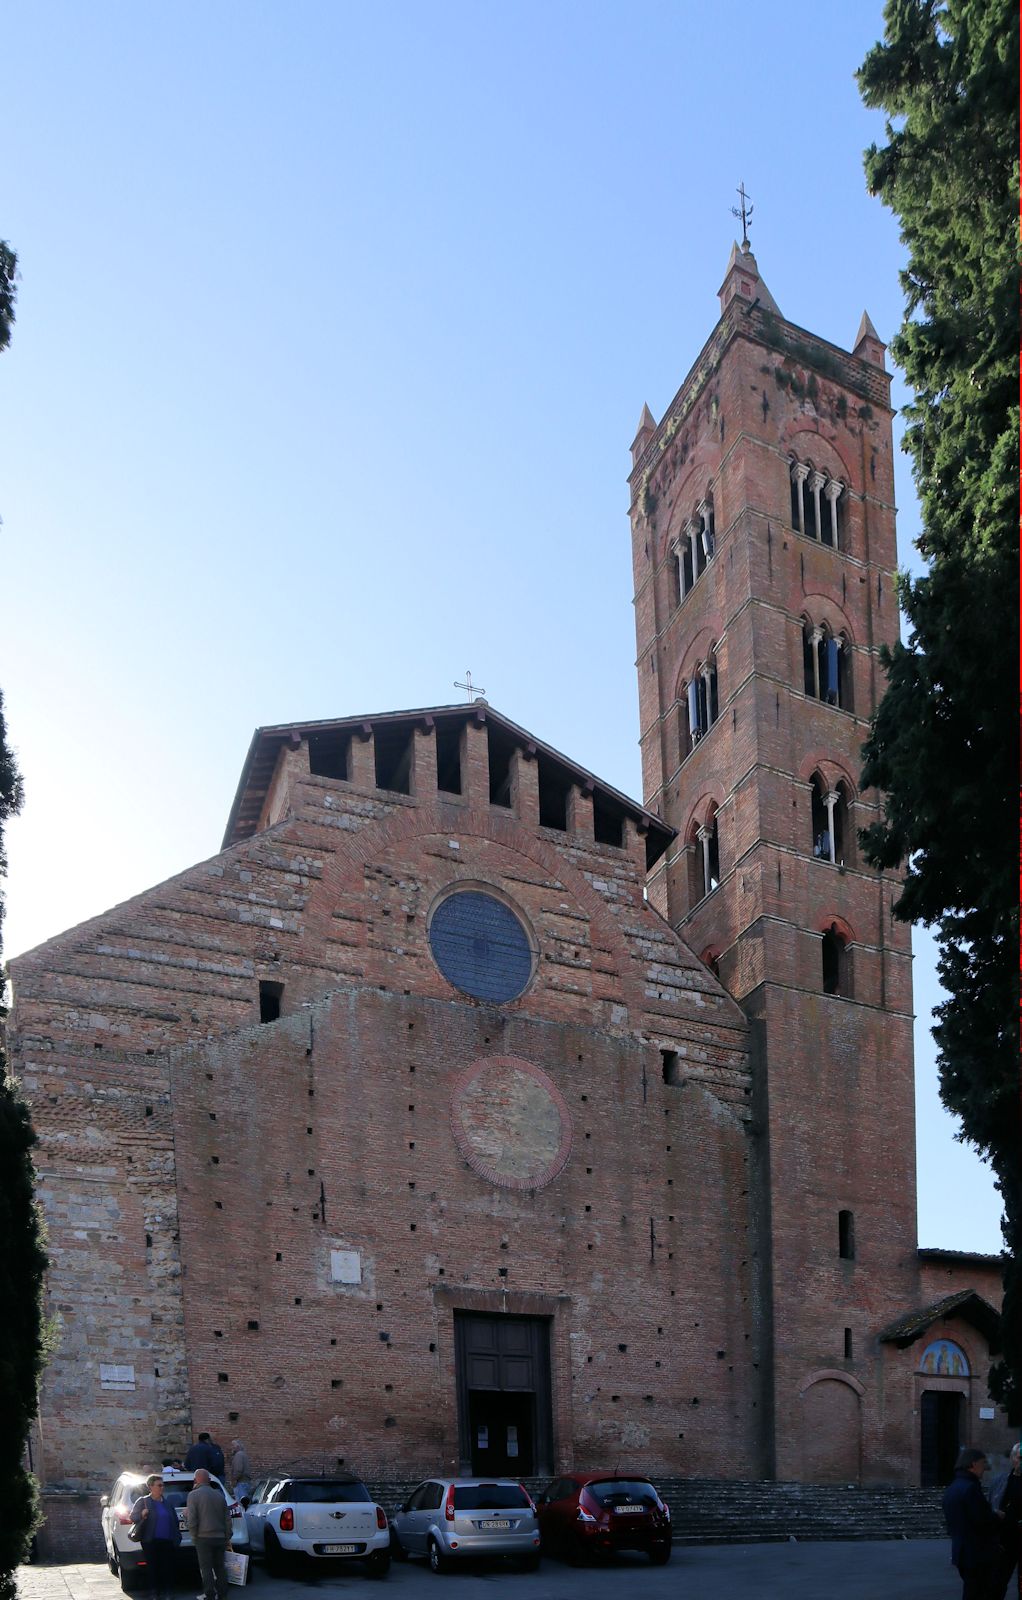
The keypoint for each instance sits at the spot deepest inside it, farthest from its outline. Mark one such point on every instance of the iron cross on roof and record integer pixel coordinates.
(743, 213)
(469, 687)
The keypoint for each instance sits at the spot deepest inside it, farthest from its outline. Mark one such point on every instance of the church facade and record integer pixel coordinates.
(464, 1113)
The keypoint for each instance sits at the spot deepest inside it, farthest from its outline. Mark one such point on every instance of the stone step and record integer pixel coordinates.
(711, 1511)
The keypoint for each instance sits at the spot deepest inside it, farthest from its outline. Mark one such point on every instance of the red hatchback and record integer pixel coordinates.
(595, 1513)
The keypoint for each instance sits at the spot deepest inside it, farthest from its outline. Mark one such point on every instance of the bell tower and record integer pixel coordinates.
(763, 534)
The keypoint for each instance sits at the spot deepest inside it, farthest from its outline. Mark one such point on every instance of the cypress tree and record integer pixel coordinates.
(943, 745)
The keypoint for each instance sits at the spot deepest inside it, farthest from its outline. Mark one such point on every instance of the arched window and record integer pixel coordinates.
(696, 544)
(836, 962)
(703, 858)
(826, 665)
(816, 503)
(831, 830)
(700, 705)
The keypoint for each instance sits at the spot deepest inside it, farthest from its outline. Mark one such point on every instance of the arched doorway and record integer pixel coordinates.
(831, 1429)
(940, 1412)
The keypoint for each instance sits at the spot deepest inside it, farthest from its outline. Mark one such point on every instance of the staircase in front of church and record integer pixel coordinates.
(711, 1511)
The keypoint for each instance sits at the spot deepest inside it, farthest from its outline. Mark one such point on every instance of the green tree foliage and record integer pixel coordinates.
(22, 1256)
(943, 746)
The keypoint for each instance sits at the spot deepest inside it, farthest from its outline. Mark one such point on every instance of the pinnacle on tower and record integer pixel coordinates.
(868, 344)
(644, 432)
(742, 281)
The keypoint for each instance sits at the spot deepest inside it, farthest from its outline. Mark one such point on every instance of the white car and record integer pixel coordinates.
(324, 1518)
(125, 1556)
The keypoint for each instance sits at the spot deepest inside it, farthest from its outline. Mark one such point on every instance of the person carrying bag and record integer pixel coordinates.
(154, 1524)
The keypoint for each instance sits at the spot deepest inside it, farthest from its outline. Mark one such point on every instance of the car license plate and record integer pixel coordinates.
(339, 1549)
(496, 1522)
(631, 1509)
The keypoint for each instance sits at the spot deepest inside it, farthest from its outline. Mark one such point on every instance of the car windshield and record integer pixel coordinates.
(623, 1492)
(326, 1491)
(489, 1497)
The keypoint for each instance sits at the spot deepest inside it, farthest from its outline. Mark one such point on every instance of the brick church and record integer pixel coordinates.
(464, 1113)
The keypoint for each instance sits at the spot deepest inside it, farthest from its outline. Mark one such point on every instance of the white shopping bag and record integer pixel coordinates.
(236, 1562)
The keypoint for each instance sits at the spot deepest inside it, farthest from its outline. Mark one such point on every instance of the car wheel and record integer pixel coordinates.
(273, 1555)
(660, 1558)
(111, 1559)
(128, 1579)
(438, 1562)
(397, 1549)
(379, 1564)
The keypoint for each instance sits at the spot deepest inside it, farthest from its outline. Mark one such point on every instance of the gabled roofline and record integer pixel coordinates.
(967, 1304)
(265, 739)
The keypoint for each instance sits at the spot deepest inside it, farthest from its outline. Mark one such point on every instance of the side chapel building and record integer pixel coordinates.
(463, 1113)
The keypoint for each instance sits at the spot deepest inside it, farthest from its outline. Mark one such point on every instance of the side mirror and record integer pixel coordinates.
(246, 1502)
(404, 1508)
(104, 1499)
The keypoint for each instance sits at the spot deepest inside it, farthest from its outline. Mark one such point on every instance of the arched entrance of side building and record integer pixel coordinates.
(831, 1427)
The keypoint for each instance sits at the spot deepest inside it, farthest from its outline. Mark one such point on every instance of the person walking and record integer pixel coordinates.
(241, 1472)
(975, 1529)
(209, 1523)
(1006, 1497)
(158, 1534)
(205, 1453)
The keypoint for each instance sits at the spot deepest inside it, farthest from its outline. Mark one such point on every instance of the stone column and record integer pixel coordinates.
(830, 801)
(816, 638)
(703, 834)
(705, 672)
(692, 529)
(678, 550)
(832, 490)
(816, 482)
(706, 532)
(799, 474)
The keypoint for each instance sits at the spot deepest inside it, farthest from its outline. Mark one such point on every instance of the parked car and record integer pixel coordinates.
(596, 1513)
(124, 1555)
(448, 1520)
(323, 1518)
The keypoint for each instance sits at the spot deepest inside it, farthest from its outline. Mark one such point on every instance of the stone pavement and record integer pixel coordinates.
(915, 1569)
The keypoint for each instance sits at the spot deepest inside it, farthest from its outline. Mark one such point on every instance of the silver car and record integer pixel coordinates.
(448, 1520)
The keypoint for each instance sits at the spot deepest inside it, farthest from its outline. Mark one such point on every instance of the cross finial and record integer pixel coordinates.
(471, 689)
(744, 214)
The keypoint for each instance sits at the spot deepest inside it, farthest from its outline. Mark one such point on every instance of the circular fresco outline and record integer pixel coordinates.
(469, 1076)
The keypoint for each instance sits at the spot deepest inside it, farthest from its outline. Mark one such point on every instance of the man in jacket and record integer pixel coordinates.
(209, 1523)
(159, 1536)
(975, 1530)
(205, 1453)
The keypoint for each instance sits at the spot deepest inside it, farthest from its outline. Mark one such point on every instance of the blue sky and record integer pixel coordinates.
(334, 328)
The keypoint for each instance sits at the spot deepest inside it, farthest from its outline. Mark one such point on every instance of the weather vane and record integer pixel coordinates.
(744, 214)
(471, 689)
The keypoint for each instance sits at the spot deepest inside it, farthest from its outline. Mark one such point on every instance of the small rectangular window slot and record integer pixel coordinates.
(846, 1235)
(448, 757)
(270, 997)
(848, 1344)
(671, 1070)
